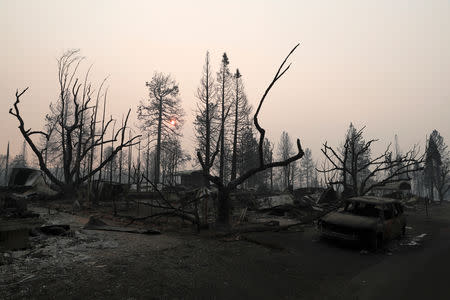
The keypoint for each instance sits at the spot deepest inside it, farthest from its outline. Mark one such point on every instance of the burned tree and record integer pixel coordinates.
(162, 115)
(359, 173)
(248, 156)
(308, 169)
(437, 166)
(67, 128)
(268, 158)
(241, 111)
(172, 159)
(284, 151)
(223, 79)
(224, 94)
(225, 189)
(443, 181)
(206, 115)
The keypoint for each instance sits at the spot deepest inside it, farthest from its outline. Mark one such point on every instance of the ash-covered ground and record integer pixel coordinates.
(292, 264)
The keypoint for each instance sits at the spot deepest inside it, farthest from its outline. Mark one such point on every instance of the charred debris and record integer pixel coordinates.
(29, 208)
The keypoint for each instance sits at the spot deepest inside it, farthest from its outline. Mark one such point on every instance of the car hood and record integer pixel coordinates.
(348, 220)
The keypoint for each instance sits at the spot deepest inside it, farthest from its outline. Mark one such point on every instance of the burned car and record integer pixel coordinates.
(370, 220)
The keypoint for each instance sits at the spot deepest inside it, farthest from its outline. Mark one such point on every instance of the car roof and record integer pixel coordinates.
(372, 200)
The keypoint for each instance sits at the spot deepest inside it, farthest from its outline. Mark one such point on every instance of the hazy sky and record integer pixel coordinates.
(383, 64)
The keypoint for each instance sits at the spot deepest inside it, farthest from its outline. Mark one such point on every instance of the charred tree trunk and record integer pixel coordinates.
(208, 127)
(431, 192)
(235, 134)
(130, 154)
(138, 183)
(206, 115)
(158, 143)
(112, 160)
(222, 132)
(92, 152)
(147, 158)
(120, 162)
(224, 206)
(101, 146)
(68, 184)
(271, 179)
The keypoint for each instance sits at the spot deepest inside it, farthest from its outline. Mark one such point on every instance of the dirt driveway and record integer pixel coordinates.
(288, 265)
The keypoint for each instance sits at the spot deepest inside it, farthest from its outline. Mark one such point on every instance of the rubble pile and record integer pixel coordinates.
(50, 252)
(38, 242)
(301, 204)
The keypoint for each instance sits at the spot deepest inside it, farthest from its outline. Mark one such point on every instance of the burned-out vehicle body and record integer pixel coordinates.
(370, 220)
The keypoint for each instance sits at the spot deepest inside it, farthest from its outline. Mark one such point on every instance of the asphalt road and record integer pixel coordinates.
(420, 273)
(415, 267)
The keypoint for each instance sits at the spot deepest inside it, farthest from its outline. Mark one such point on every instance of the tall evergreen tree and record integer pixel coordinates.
(162, 114)
(436, 171)
(248, 151)
(206, 118)
(224, 95)
(308, 168)
(241, 115)
(357, 155)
